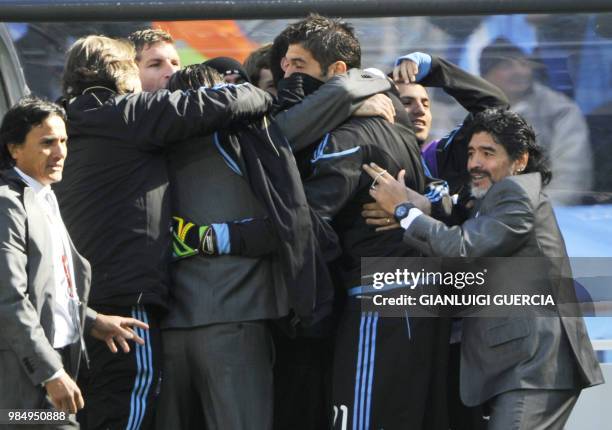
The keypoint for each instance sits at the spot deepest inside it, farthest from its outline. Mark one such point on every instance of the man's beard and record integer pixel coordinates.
(479, 192)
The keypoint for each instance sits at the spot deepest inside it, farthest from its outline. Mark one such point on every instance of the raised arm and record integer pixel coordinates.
(474, 93)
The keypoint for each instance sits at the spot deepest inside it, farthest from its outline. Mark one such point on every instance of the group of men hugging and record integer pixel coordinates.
(220, 227)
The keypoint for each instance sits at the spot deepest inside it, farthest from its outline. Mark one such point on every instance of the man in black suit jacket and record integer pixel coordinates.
(528, 371)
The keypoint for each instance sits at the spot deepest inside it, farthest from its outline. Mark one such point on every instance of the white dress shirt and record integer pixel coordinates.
(413, 213)
(65, 312)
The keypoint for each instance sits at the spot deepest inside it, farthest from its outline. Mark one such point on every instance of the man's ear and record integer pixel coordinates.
(284, 63)
(13, 150)
(521, 163)
(337, 68)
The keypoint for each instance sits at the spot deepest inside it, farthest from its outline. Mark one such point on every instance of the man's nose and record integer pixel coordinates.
(288, 72)
(169, 69)
(419, 109)
(59, 151)
(474, 161)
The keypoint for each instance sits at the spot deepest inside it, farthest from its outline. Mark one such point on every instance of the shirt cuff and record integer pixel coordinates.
(421, 59)
(223, 239)
(56, 375)
(412, 215)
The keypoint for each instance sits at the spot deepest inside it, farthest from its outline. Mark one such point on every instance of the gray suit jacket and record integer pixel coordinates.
(27, 292)
(514, 219)
(227, 288)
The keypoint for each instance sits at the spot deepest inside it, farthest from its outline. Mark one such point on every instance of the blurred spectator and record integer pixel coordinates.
(257, 66)
(42, 48)
(458, 30)
(515, 28)
(597, 65)
(600, 127)
(558, 47)
(559, 124)
(589, 51)
(573, 49)
(231, 69)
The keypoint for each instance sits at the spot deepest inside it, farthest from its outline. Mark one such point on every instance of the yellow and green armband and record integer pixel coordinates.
(189, 239)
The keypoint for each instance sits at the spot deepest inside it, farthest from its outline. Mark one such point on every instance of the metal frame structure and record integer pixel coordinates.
(172, 10)
(12, 82)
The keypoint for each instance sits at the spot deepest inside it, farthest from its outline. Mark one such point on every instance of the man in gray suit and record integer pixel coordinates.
(44, 282)
(527, 371)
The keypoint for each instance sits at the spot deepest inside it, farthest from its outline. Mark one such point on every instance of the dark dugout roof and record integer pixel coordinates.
(172, 10)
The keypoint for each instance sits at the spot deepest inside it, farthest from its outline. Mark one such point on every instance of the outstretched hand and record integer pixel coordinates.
(111, 328)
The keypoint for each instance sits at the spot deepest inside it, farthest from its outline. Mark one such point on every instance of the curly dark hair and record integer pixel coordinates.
(510, 130)
(19, 120)
(327, 39)
(193, 77)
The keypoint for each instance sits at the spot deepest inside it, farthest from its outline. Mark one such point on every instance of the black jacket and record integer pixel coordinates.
(264, 155)
(114, 194)
(338, 187)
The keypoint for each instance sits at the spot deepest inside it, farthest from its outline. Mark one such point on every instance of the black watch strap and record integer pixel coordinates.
(401, 211)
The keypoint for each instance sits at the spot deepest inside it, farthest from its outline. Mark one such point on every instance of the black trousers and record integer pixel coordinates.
(302, 382)
(461, 417)
(390, 373)
(120, 389)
